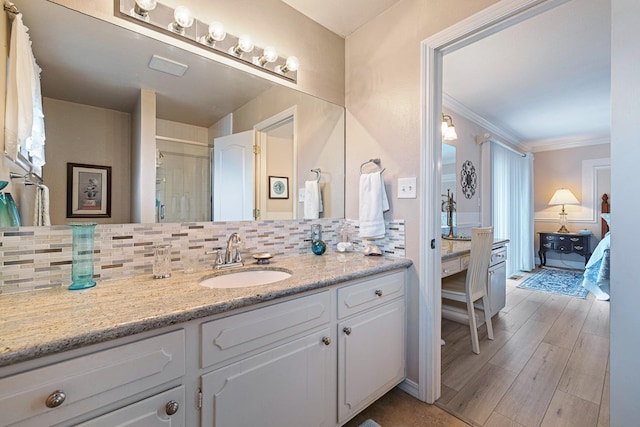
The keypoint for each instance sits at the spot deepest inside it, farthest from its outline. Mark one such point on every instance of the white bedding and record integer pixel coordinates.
(596, 272)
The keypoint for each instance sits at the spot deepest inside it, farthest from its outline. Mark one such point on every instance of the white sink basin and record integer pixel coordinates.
(243, 279)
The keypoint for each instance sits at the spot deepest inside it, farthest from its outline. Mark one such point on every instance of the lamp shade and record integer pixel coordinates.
(563, 196)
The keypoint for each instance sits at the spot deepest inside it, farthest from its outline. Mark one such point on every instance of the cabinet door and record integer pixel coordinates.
(497, 287)
(371, 357)
(165, 409)
(289, 385)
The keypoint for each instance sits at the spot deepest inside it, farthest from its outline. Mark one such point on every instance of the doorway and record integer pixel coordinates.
(491, 20)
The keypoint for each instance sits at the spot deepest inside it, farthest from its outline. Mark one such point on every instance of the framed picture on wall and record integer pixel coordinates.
(278, 187)
(88, 191)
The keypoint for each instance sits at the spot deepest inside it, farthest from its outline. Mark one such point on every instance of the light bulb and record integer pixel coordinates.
(142, 8)
(245, 44)
(216, 31)
(183, 19)
(269, 54)
(292, 64)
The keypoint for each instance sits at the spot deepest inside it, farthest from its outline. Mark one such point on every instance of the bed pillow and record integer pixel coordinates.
(607, 217)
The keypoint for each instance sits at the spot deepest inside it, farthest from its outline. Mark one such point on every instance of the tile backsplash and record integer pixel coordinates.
(40, 257)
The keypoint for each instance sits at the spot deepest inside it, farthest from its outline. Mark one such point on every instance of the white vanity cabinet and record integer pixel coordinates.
(90, 385)
(371, 346)
(277, 366)
(281, 365)
(315, 359)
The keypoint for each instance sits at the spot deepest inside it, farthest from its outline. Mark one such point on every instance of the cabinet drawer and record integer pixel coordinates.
(369, 293)
(498, 255)
(153, 411)
(450, 267)
(92, 381)
(232, 336)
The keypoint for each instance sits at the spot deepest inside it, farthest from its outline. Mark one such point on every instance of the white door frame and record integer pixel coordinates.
(261, 137)
(502, 14)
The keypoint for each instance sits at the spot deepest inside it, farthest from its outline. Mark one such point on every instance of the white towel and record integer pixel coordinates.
(373, 202)
(41, 208)
(312, 200)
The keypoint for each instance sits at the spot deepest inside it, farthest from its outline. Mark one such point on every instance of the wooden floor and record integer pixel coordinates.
(548, 364)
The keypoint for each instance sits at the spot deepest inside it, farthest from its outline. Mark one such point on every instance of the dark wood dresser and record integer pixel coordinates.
(568, 243)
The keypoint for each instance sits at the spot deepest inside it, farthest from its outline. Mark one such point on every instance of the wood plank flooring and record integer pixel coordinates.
(548, 364)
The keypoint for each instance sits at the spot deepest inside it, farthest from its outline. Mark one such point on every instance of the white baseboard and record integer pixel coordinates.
(410, 387)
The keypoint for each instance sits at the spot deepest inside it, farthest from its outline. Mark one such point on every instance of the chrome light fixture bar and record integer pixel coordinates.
(182, 24)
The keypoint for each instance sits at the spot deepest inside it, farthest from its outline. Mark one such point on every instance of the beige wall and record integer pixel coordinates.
(563, 169)
(320, 139)
(467, 210)
(269, 22)
(383, 113)
(79, 133)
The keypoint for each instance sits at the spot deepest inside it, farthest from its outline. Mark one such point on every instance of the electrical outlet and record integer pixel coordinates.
(301, 195)
(407, 188)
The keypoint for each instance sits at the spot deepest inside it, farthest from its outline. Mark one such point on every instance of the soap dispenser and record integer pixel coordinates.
(318, 246)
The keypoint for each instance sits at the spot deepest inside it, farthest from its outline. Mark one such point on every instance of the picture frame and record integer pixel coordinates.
(88, 191)
(278, 187)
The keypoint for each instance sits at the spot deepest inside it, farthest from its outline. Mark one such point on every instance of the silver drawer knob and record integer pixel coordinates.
(171, 407)
(378, 292)
(326, 340)
(347, 330)
(55, 399)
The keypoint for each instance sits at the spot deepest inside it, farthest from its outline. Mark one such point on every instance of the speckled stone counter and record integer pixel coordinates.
(455, 248)
(40, 323)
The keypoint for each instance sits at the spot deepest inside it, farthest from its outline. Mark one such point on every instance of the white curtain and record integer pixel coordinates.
(512, 205)
(24, 120)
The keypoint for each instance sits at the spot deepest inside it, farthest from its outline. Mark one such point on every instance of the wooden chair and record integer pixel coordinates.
(474, 286)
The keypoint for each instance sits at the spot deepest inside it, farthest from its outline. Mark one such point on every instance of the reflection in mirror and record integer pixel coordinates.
(448, 186)
(104, 105)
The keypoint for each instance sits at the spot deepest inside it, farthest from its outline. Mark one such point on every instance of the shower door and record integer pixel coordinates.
(183, 182)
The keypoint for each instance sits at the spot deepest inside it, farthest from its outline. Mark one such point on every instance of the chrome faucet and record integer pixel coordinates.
(229, 257)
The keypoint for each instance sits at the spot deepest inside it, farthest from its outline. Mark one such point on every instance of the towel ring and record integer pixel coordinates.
(375, 161)
(317, 171)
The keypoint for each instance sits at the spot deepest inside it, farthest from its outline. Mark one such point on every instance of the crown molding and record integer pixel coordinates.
(457, 107)
(561, 144)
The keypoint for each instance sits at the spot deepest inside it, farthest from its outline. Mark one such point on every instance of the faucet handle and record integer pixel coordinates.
(237, 258)
(218, 253)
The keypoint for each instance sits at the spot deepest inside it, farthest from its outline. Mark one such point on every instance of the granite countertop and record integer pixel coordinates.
(455, 248)
(40, 323)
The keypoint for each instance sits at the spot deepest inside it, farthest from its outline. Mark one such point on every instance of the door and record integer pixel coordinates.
(233, 177)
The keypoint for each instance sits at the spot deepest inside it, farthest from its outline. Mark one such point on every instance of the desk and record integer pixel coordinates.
(455, 260)
(566, 243)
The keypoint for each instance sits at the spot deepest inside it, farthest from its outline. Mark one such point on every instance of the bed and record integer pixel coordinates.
(596, 272)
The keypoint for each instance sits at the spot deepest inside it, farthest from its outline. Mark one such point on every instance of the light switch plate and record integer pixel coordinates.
(407, 188)
(300, 195)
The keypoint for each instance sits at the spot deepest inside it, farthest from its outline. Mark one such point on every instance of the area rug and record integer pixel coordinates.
(556, 281)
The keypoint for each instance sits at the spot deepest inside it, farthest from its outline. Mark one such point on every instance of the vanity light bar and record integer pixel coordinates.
(161, 18)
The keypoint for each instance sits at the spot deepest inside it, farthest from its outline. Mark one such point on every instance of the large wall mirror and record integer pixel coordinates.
(100, 85)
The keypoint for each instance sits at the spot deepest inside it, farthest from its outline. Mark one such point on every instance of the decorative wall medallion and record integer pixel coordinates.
(468, 179)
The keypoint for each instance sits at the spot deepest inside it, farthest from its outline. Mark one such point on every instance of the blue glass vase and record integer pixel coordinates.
(82, 257)
(9, 216)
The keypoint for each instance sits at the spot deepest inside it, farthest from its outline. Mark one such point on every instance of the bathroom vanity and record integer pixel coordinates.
(303, 351)
(455, 260)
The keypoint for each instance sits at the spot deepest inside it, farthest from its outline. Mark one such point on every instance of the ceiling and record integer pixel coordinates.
(541, 84)
(342, 17)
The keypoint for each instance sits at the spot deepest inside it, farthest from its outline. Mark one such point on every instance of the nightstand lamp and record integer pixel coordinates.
(563, 196)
